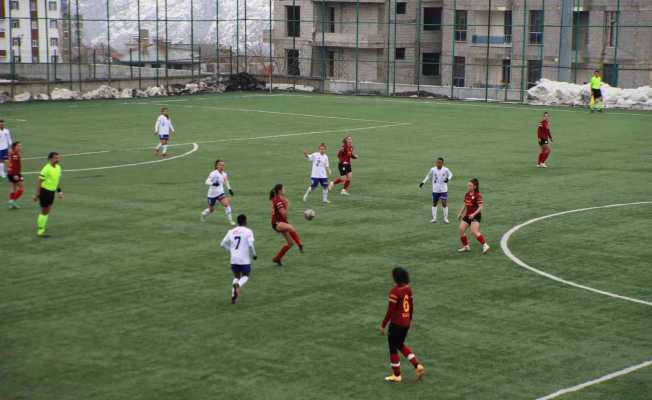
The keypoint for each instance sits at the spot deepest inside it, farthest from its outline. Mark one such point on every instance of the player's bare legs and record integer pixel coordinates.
(434, 211)
(17, 189)
(465, 241)
(444, 207)
(543, 156)
(227, 209)
(475, 230)
(291, 236)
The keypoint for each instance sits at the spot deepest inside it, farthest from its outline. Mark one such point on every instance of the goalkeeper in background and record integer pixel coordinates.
(596, 92)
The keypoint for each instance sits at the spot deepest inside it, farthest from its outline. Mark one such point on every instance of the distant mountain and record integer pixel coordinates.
(124, 21)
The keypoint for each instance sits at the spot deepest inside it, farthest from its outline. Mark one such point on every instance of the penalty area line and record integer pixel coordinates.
(601, 379)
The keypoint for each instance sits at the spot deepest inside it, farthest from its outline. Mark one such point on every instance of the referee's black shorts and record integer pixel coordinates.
(597, 93)
(46, 198)
(396, 337)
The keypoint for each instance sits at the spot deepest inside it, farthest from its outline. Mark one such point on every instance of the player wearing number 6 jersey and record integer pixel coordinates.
(399, 316)
(439, 175)
(320, 170)
(217, 181)
(239, 242)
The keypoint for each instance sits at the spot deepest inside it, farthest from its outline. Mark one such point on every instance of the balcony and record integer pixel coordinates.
(365, 41)
(493, 41)
(352, 1)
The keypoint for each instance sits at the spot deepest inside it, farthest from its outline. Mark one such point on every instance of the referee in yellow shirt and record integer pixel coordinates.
(48, 184)
(596, 92)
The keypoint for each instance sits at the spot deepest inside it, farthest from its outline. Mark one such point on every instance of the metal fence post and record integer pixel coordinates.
(486, 77)
(453, 25)
(47, 47)
(357, 43)
(617, 67)
(108, 56)
(167, 48)
(523, 38)
(79, 49)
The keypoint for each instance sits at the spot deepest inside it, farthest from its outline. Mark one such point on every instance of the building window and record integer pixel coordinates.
(15, 23)
(399, 53)
(331, 64)
(292, 60)
(14, 5)
(610, 74)
(52, 5)
(17, 58)
(533, 72)
(34, 24)
(507, 26)
(458, 71)
(54, 42)
(3, 53)
(2, 33)
(293, 16)
(507, 71)
(401, 8)
(35, 59)
(54, 24)
(32, 6)
(460, 25)
(432, 18)
(536, 27)
(610, 27)
(16, 42)
(331, 20)
(53, 59)
(430, 64)
(580, 30)
(34, 43)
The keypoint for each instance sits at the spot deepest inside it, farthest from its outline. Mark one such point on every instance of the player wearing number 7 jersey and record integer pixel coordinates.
(239, 242)
(399, 316)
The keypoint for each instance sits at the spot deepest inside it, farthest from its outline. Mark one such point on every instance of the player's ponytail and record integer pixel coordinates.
(476, 183)
(274, 192)
(14, 144)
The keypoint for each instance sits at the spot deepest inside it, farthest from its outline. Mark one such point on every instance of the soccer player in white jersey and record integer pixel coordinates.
(439, 175)
(239, 242)
(217, 181)
(164, 130)
(321, 169)
(5, 145)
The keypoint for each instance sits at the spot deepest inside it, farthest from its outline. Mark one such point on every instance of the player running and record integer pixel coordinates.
(400, 311)
(5, 145)
(439, 175)
(239, 242)
(544, 136)
(471, 215)
(164, 130)
(14, 175)
(48, 184)
(321, 169)
(280, 223)
(217, 181)
(344, 155)
(596, 92)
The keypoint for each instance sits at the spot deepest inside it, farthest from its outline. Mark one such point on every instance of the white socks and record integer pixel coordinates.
(227, 211)
(243, 280)
(324, 195)
(445, 213)
(2, 170)
(434, 213)
(158, 146)
(206, 212)
(240, 282)
(164, 148)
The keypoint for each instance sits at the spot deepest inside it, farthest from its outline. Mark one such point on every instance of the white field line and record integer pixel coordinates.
(195, 147)
(601, 379)
(69, 155)
(505, 239)
(277, 113)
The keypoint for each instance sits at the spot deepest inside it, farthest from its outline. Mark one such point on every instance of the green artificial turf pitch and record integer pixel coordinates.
(129, 299)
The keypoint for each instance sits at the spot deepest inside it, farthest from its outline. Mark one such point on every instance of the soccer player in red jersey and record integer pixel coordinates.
(14, 175)
(471, 215)
(544, 136)
(399, 316)
(344, 155)
(280, 223)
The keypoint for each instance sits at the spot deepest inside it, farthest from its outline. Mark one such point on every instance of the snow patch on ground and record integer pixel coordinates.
(548, 92)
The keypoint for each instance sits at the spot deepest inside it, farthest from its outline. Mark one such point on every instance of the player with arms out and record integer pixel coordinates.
(545, 137)
(400, 311)
(440, 176)
(239, 242)
(164, 129)
(321, 169)
(470, 216)
(345, 155)
(48, 185)
(217, 181)
(280, 223)
(14, 175)
(5, 145)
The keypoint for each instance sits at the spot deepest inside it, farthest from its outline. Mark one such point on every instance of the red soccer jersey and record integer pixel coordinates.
(400, 307)
(14, 163)
(543, 132)
(345, 154)
(472, 201)
(279, 203)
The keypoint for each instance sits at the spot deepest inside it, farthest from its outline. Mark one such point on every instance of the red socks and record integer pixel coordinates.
(295, 237)
(395, 361)
(481, 239)
(407, 353)
(338, 181)
(346, 185)
(282, 252)
(543, 156)
(16, 195)
(465, 240)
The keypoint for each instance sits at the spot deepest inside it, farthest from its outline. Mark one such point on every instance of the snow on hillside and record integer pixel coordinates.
(124, 24)
(548, 92)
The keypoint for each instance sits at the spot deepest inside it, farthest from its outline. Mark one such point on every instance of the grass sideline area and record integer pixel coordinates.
(130, 297)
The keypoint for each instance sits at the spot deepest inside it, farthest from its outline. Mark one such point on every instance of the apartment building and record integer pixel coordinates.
(464, 43)
(29, 31)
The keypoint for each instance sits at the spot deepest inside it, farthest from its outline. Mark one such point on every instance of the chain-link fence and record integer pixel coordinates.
(486, 49)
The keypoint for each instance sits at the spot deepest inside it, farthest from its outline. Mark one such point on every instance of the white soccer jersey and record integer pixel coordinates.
(319, 165)
(240, 243)
(216, 182)
(163, 126)
(5, 139)
(439, 178)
